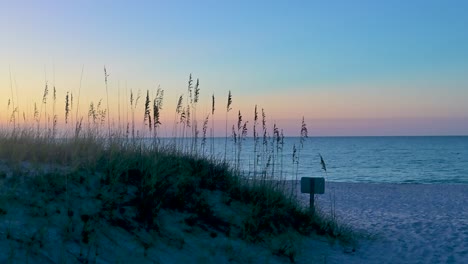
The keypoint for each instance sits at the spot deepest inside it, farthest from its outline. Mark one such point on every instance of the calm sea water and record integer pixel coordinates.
(359, 159)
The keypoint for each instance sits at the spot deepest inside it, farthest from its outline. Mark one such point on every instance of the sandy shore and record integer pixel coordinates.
(407, 223)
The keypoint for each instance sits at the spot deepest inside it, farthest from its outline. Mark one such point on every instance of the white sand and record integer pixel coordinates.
(409, 223)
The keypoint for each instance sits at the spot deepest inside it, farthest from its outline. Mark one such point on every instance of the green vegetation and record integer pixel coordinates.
(115, 178)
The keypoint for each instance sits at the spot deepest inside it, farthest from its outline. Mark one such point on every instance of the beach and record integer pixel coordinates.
(388, 223)
(179, 131)
(404, 223)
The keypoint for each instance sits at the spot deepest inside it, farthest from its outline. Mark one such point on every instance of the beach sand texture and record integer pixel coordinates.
(407, 223)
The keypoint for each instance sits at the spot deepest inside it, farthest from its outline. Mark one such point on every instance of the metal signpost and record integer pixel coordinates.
(312, 185)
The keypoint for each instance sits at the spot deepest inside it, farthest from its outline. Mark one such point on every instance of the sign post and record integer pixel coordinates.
(312, 185)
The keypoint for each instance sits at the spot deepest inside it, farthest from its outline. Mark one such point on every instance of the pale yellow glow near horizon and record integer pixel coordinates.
(317, 103)
(285, 107)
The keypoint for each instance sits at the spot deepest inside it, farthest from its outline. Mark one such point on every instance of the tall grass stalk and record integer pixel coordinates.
(12, 99)
(119, 126)
(67, 107)
(133, 106)
(78, 124)
(195, 132)
(205, 127)
(189, 106)
(54, 126)
(303, 138)
(157, 107)
(255, 139)
(44, 103)
(107, 95)
(54, 101)
(71, 108)
(178, 112)
(147, 117)
(36, 117)
(228, 108)
(212, 124)
(17, 108)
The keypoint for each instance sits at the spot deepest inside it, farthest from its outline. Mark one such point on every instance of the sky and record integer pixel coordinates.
(350, 68)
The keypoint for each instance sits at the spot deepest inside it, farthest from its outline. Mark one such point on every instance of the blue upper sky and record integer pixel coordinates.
(391, 59)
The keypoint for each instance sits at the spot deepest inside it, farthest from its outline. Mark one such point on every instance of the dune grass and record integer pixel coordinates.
(133, 179)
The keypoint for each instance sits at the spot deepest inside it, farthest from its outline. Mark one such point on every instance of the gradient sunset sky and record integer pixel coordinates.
(349, 67)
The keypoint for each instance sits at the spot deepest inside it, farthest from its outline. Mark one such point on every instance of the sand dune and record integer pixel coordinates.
(394, 223)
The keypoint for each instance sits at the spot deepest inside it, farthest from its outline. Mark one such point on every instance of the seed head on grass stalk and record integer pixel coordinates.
(156, 118)
(241, 134)
(304, 132)
(322, 163)
(44, 102)
(229, 102)
(212, 123)
(13, 117)
(212, 104)
(276, 134)
(107, 94)
(205, 127)
(147, 116)
(182, 117)
(36, 114)
(255, 124)
(92, 113)
(71, 105)
(244, 129)
(189, 90)
(228, 108)
(46, 92)
(179, 105)
(159, 97)
(101, 113)
(157, 107)
(265, 140)
(67, 107)
(281, 139)
(178, 111)
(239, 122)
(197, 91)
(295, 161)
(54, 128)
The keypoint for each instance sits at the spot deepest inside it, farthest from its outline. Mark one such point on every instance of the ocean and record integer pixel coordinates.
(431, 159)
